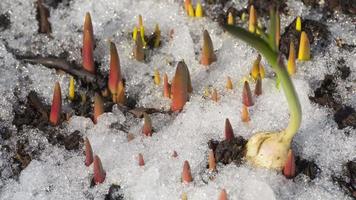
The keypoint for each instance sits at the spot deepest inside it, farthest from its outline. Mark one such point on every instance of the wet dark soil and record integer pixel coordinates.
(306, 167)
(344, 6)
(5, 22)
(347, 181)
(318, 35)
(32, 112)
(263, 6)
(227, 152)
(326, 95)
(55, 3)
(114, 193)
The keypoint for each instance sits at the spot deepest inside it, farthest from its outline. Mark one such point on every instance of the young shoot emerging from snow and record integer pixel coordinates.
(270, 149)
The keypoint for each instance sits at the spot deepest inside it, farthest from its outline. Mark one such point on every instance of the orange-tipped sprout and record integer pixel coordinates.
(88, 45)
(138, 51)
(98, 107)
(252, 20)
(88, 153)
(214, 95)
(199, 10)
(223, 195)
(186, 174)
(147, 125)
(87, 52)
(211, 161)
(207, 55)
(157, 77)
(141, 162)
(186, 5)
(256, 67)
(229, 133)
(180, 87)
(289, 167)
(230, 19)
(245, 116)
(258, 86)
(304, 47)
(56, 107)
(291, 67)
(246, 95)
(88, 26)
(166, 87)
(115, 70)
(190, 10)
(99, 173)
(229, 84)
(120, 97)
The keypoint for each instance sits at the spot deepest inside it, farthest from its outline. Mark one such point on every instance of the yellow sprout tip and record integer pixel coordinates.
(229, 85)
(71, 89)
(304, 47)
(291, 68)
(298, 24)
(230, 19)
(190, 11)
(252, 20)
(199, 10)
(134, 34)
(157, 77)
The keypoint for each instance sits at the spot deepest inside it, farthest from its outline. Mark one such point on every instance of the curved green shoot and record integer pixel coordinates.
(269, 50)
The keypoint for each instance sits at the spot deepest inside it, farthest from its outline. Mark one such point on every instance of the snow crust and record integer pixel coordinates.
(60, 174)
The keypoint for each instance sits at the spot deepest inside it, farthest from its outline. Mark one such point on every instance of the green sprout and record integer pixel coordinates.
(270, 149)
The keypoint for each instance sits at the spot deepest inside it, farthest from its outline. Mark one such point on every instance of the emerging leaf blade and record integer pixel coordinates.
(251, 39)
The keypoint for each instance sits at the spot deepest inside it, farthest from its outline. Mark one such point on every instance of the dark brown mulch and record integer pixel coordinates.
(318, 35)
(347, 181)
(344, 6)
(5, 22)
(114, 193)
(326, 95)
(226, 152)
(263, 6)
(306, 167)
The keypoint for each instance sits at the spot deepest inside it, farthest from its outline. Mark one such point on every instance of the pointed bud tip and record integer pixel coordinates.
(56, 106)
(99, 173)
(245, 116)
(141, 162)
(186, 174)
(207, 55)
(229, 133)
(304, 47)
(88, 153)
(246, 95)
(147, 125)
(211, 161)
(289, 170)
(98, 107)
(230, 19)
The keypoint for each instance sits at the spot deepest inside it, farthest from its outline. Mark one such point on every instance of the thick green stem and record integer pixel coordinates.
(291, 96)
